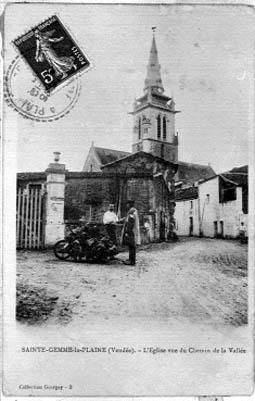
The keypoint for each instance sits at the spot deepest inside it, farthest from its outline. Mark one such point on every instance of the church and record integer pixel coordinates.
(153, 130)
(149, 175)
(154, 139)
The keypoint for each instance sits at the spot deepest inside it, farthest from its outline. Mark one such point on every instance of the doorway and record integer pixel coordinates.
(221, 229)
(191, 226)
(162, 229)
(215, 226)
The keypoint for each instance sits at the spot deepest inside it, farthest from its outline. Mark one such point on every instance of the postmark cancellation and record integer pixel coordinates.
(25, 93)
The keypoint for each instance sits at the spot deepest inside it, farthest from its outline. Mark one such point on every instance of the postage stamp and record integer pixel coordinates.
(25, 93)
(52, 53)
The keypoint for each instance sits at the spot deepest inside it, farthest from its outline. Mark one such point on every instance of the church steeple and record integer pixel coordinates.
(154, 115)
(153, 79)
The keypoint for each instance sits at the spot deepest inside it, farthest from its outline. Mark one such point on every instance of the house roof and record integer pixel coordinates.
(35, 177)
(241, 169)
(186, 193)
(40, 175)
(189, 173)
(238, 175)
(107, 156)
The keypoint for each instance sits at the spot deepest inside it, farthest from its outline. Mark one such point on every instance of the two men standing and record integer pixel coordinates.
(130, 235)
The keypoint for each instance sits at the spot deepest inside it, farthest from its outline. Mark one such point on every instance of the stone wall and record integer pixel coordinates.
(142, 178)
(87, 196)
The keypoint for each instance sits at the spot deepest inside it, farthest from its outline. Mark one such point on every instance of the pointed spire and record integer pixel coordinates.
(153, 79)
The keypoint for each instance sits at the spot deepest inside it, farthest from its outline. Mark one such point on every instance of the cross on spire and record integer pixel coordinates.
(153, 79)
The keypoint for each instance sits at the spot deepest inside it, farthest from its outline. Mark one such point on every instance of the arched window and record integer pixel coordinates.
(164, 127)
(139, 128)
(159, 126)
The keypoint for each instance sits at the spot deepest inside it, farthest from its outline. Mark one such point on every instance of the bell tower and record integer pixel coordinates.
(154, 114)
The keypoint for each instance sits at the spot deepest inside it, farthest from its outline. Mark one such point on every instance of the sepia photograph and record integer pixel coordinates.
(128, 222)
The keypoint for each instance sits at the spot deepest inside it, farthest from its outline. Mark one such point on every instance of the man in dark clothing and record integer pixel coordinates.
(129, 237)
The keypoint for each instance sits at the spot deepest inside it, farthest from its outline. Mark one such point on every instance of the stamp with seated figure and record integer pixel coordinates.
(52, 53)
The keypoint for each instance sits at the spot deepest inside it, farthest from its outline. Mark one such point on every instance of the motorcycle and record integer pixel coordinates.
(86, 242)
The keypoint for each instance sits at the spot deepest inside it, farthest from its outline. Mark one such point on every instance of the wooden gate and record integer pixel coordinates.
(30, 221)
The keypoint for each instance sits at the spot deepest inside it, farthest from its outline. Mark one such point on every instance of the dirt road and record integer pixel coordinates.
(196, 280)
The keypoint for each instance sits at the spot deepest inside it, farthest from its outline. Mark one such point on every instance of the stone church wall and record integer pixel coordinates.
(140, 190)
(88, 197)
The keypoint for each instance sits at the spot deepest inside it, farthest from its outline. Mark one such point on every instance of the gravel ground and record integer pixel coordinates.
(194, 280)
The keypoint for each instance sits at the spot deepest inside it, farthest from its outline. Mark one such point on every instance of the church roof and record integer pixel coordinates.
(107, 156)
(131, 156)
(189, 173)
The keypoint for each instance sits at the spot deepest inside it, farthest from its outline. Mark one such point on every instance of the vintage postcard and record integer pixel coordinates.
(128, 200)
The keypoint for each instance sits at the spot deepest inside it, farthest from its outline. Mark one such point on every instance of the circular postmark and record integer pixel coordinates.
(24, 92)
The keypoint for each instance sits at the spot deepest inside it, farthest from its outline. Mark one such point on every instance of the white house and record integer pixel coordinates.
(216, 207)
(187, 211)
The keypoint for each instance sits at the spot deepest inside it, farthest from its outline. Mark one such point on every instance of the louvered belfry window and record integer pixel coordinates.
(159, 127)
(164, 127)
(139, 128)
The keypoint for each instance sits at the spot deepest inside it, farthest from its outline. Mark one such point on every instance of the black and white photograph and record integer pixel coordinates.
(128, 191)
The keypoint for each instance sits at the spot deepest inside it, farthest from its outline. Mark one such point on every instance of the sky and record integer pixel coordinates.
(206, 57)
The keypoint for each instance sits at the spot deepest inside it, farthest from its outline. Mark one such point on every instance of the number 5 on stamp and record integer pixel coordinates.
(52, 53)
